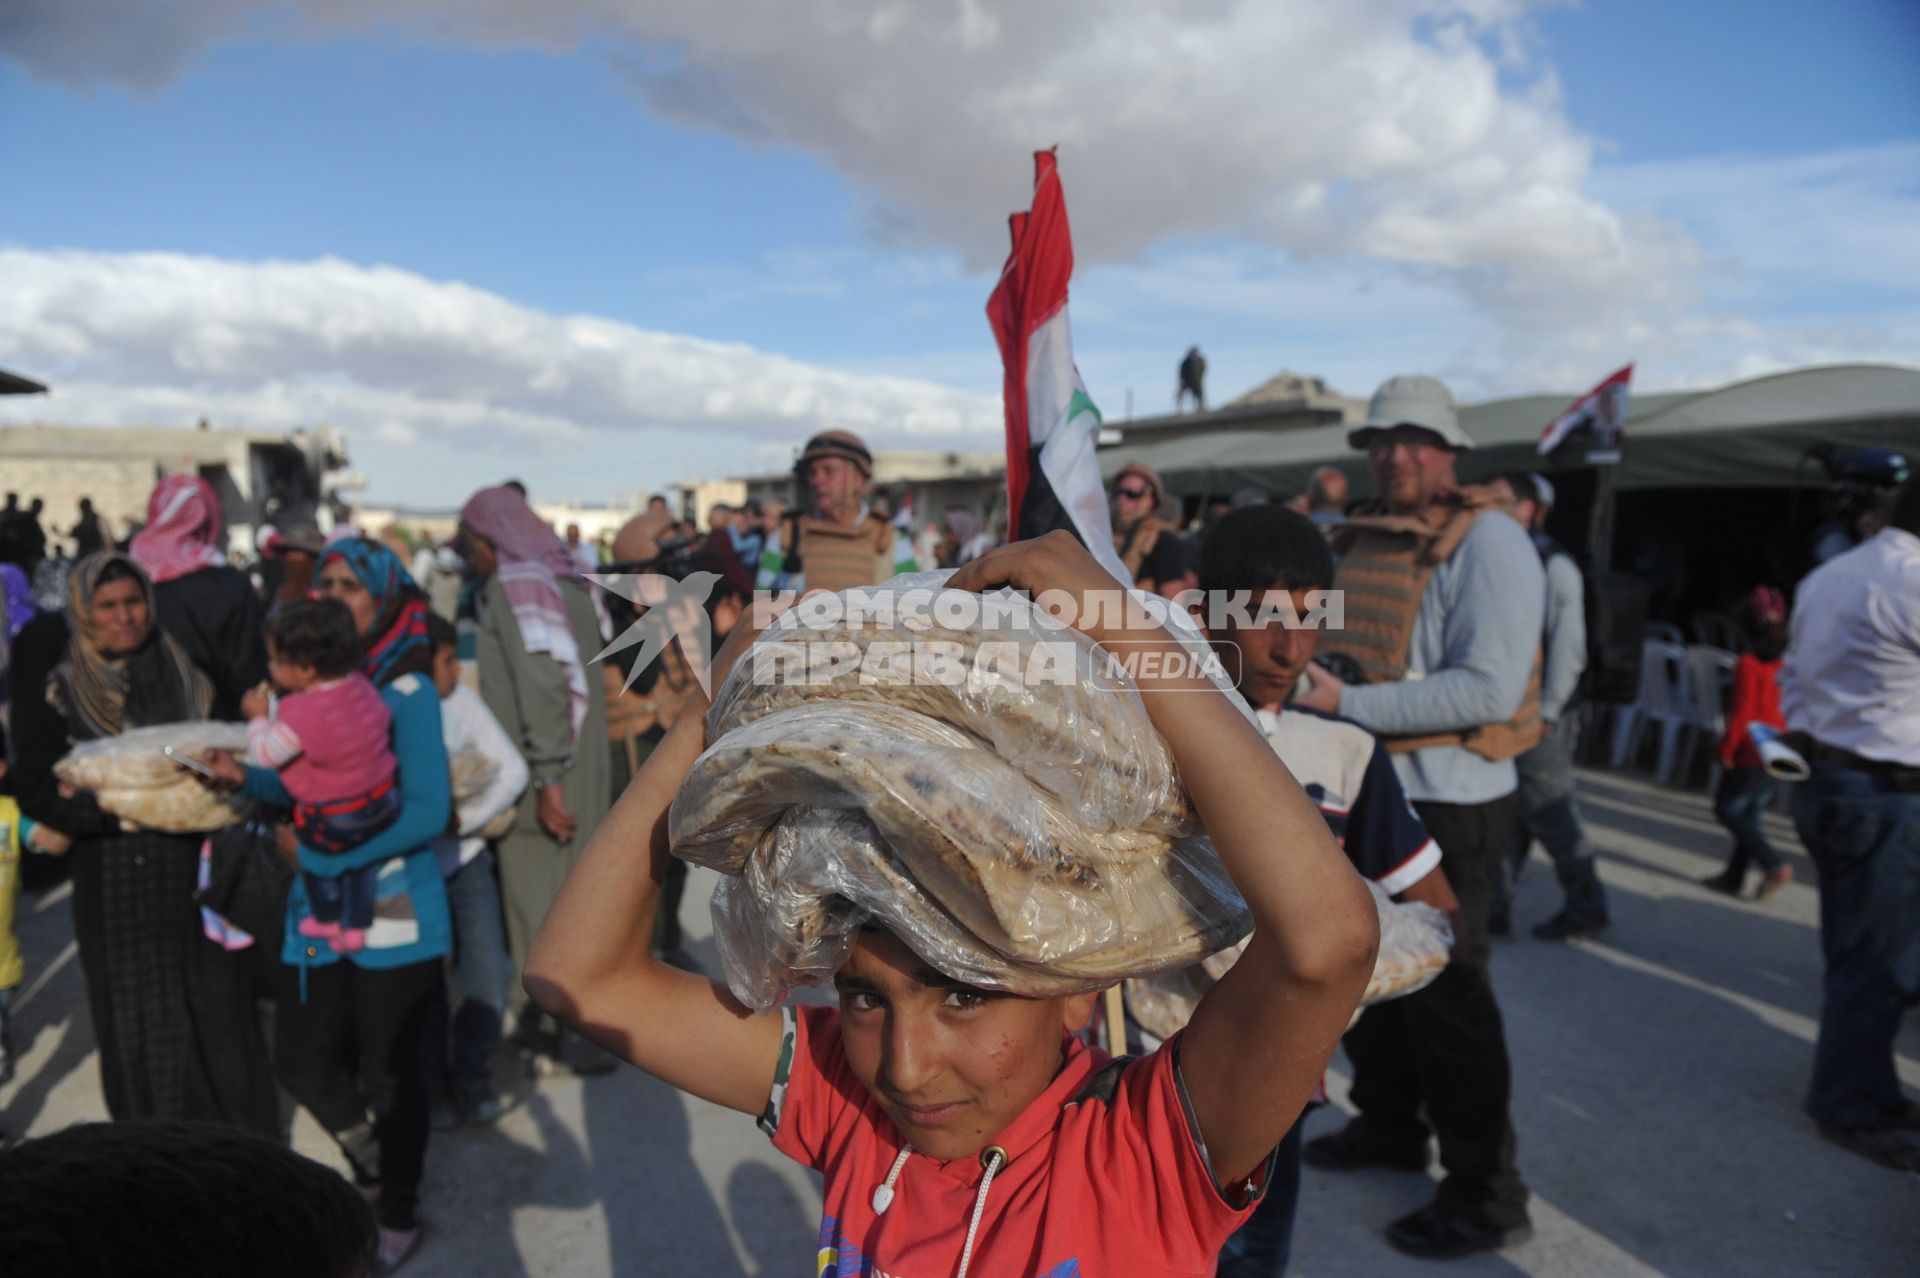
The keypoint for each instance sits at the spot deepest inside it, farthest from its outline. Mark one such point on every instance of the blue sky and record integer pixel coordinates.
(606, 251)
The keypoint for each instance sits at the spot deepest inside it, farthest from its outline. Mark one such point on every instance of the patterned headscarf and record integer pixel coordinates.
(104, 694)
(397, 644)
(533, 562)
(183, 519)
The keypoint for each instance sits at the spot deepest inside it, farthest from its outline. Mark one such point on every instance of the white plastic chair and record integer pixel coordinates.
(1666, 632)
(1710, 674)
(1665, 703)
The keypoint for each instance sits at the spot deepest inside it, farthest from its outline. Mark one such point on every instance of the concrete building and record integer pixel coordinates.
(260, 476)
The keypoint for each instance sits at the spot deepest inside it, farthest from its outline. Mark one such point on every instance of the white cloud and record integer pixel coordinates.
(396, 359)
(1345, 189)
(1426, 133)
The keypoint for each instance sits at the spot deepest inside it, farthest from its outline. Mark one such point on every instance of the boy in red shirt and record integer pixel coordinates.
(1745, 789)
(963, 1130)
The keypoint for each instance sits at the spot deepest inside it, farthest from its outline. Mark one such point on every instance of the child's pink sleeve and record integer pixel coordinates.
(272, 742)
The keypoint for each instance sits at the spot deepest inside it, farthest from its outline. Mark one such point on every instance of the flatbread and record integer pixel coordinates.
(183, 806)
(1088, 741)
(1000, 858)
(1415, 941)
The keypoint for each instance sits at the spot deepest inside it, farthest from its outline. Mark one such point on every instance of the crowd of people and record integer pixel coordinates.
(450, 796)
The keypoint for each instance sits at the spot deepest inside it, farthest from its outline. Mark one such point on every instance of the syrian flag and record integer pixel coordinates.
(1603, 410)
(1053, 480)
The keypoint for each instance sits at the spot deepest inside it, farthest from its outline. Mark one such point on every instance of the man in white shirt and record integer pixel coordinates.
(1850, 689)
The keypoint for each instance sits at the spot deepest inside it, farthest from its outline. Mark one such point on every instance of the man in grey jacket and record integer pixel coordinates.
(1547, 810)
(1435, 1063)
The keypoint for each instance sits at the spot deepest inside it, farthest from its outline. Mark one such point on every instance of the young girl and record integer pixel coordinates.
(327, 738)
(962, 1129)
(1745, 788)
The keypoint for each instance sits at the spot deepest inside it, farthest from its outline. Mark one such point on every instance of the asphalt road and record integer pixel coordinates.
(1658, 1076)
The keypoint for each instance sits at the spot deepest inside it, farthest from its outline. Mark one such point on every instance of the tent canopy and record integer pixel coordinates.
(14, 384)
(1749, 434)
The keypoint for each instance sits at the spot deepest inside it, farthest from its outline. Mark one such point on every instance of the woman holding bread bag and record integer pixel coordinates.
(134, 919)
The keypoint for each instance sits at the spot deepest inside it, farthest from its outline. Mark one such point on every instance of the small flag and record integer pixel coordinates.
(1603, 411)
(1053, 479)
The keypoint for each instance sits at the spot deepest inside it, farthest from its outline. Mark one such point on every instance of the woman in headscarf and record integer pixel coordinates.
(537, 627)
(208, 607)
(133, 913)
(349, 1030)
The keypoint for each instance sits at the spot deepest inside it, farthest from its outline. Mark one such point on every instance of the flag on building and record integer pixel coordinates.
(1602, 411)
(1053, 479)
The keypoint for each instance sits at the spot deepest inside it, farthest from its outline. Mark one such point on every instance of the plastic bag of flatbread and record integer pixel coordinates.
(972, 814)
(131, 777)
(1415, 941)
(471, 773)
(1040, 692)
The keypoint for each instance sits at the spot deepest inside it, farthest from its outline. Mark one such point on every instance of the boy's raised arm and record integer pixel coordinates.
(1254, 1049)
(592, 962)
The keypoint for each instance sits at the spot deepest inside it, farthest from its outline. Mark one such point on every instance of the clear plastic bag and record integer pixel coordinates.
(1415, 942)
(1019, 833)
(977, 869)
(131, 777)
(1083, 733)
(136, 759)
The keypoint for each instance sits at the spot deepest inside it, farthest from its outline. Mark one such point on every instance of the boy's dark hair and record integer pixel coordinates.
(165, 1197)
(1262, 548)
(441, 632)
(317, 633)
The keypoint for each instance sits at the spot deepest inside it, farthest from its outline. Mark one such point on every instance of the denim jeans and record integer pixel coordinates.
(1865, 844)
(1261, 1247)
(479, 974)
(1547, 813)
(1741, 804)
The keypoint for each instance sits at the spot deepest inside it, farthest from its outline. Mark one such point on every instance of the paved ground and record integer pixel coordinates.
(1658, 1079)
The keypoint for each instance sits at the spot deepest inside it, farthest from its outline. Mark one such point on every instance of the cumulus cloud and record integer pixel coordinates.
(1424, 133)
(395, 358)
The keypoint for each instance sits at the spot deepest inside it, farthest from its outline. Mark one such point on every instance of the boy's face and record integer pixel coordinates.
(288, 676)
(446, 670)
(952, 1065)
(1265, 661)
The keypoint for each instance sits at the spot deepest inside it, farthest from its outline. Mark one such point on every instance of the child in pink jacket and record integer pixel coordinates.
(327, 736)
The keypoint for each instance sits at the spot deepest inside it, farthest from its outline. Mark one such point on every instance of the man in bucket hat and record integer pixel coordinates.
(1444, 600)
(840, 542)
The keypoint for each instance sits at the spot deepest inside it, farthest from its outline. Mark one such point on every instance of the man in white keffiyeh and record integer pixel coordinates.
(536, 625)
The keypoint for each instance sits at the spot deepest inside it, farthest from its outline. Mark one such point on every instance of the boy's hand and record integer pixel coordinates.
(49, 842)
(1058, 561)
(255, 703)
